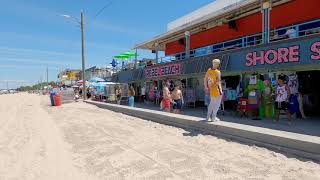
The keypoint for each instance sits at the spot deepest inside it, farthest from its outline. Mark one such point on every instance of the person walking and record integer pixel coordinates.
(282, 99)
(212, 85)
(131, 95)
(177, 98)
(143, 93)
(166, 100)
(118, 94)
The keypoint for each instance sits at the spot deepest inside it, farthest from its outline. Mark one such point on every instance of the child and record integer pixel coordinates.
(282, 99)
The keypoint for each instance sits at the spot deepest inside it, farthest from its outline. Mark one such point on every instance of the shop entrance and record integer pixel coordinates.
(230, 90)
(309, 86)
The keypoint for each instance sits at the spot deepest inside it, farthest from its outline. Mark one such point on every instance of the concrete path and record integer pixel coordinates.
(308, 126)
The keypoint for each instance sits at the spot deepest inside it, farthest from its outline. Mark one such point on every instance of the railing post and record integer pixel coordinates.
(297, 27)
(243, 42)
(157, 52)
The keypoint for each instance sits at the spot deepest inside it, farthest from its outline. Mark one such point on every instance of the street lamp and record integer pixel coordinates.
(81, 23)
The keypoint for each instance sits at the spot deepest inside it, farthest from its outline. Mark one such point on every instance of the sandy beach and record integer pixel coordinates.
(81, 141)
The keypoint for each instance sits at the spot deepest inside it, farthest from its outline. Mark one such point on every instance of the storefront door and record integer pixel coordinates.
(309, 87)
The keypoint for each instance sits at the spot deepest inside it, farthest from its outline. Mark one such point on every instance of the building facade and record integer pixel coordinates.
(251, 37)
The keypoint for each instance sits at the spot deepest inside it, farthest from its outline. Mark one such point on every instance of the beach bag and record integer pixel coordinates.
(293, 104)
(207, 99)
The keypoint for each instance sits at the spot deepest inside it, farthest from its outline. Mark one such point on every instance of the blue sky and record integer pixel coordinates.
(33, 35)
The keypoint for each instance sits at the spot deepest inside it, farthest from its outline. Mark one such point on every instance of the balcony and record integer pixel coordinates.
(200, 58)
(279, 34)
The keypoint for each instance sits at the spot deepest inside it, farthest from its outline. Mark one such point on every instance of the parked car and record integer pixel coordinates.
(4, 91)
(12, 91)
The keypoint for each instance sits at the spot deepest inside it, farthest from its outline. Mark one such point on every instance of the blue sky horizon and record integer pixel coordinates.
(34, 35)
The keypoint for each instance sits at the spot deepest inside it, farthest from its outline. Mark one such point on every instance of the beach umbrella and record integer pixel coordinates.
(129, 53)
(99, 87)
(96, 79)
(81, 82)
(121, 56)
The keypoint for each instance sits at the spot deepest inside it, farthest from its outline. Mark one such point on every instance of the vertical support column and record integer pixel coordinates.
(136, 59)
(266, 8)
(157, 52)
(187, 36)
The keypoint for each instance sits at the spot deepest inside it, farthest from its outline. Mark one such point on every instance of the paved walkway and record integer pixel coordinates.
(309, 126)
(302, 145)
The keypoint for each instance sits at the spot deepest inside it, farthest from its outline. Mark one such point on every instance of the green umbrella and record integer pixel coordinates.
(129, 53)
(121, 56)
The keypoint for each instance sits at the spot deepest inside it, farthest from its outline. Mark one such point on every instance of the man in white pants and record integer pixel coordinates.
(212, 84)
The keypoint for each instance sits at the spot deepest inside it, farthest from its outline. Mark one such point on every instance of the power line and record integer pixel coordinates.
(102, 9)
(99, 12)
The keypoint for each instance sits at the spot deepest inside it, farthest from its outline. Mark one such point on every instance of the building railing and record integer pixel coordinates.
(278, 34)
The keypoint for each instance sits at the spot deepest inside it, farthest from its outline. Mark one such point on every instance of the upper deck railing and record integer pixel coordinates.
(278, 34)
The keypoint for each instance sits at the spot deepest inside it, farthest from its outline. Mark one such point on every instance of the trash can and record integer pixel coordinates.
(52, 94)
(57, 99)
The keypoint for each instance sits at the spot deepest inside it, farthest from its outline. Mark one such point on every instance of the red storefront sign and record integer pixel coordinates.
(163, 71)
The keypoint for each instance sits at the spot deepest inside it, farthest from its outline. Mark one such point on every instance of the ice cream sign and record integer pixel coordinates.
(162, 71)
(290, 54)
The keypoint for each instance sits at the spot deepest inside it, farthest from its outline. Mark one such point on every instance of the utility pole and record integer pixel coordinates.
(47, 76)
(40, 84)
(81, 22)
(83, 58)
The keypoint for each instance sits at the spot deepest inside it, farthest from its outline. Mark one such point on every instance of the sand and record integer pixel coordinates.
(81, 141)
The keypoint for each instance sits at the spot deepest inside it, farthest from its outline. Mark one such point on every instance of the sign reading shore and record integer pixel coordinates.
(284, 54)
(163, 70)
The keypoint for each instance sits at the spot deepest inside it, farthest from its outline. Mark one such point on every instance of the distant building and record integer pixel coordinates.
(101, 72)
(69, 76)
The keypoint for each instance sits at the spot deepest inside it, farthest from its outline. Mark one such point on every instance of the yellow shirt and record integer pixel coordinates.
(211, 76)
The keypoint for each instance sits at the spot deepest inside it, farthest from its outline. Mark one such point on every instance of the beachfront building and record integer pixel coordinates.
(256, 40)
(69, 76)
(100, 72)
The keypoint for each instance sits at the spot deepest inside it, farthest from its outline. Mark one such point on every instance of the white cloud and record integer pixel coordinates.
(35, 61)
(24, 51)
(15, 66)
